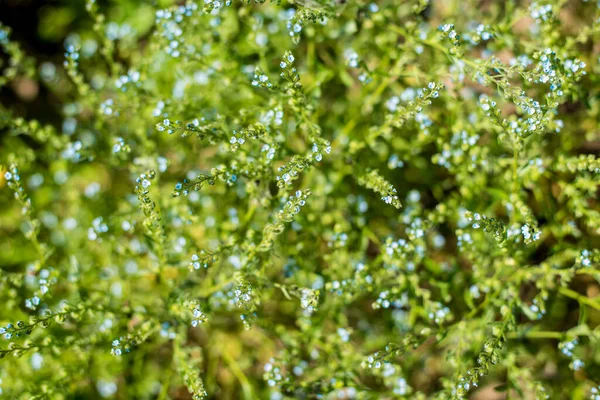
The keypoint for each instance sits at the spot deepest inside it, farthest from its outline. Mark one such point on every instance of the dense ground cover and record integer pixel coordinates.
(303, 199)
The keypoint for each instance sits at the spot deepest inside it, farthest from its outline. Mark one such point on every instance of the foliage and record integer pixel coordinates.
(306, 199)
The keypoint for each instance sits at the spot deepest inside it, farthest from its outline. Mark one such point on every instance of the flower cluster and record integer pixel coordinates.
(372, 180)
(243, 295)
(309, 300)
(203, 187)
(197, 313)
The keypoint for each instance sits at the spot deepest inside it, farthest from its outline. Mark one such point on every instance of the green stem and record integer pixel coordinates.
(515, 166)
(217, 287)
(536, 335)
(239, 374)
(284, 291)
(164, 392)
(580, 298)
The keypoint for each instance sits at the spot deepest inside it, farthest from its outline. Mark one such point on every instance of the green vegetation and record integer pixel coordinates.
(314, 199)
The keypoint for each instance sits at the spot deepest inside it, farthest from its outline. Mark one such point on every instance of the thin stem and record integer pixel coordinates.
(215, 288)
(239, 374)
(164, 392)
(536, 335)
(515, 166)
(283, 290)
(580, 298)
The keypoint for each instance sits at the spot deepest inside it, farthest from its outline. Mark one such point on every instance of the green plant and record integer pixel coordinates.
(307, 199)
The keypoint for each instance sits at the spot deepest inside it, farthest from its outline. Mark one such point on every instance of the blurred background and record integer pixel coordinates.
(42, 27)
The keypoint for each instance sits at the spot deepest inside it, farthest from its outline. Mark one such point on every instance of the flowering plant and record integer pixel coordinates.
(305, 199)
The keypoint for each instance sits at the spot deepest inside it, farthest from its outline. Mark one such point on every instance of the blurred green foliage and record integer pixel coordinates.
(315, 199)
